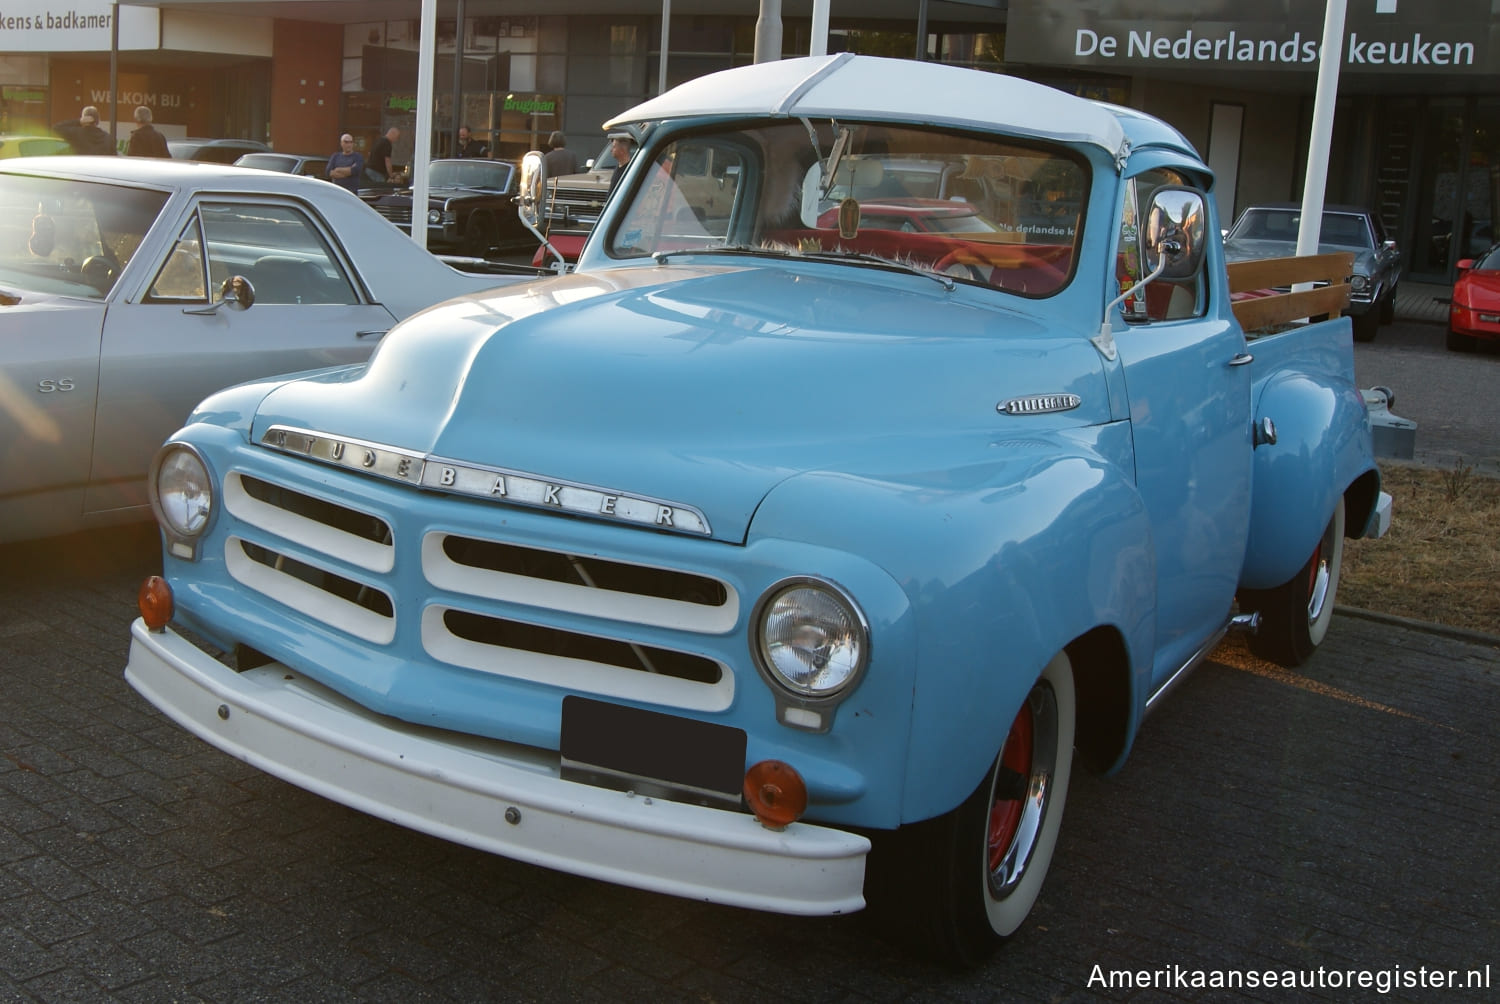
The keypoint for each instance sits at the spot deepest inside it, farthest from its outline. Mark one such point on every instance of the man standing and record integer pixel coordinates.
(560, 160)
(380, 166)
(621, 148)
(84, 135)
(145, 141)
(346, 166)
(468, 146)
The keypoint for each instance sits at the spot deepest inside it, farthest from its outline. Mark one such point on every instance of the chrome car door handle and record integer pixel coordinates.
(377, 332)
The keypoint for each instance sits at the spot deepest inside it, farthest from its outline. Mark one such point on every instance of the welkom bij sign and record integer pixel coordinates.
(1380, 36)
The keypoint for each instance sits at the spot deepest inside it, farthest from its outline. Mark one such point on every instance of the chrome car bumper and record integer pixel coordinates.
(497, 797)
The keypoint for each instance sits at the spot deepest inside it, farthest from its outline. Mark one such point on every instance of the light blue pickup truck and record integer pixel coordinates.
(894, 441)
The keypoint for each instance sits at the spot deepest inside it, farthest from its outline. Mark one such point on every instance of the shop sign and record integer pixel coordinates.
(1380, 36)
(529, 104)
(67, 26)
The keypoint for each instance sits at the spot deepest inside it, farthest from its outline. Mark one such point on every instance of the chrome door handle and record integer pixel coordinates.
(377, 332)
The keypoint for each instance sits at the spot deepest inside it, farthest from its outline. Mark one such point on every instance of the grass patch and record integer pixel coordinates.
(1440, 560)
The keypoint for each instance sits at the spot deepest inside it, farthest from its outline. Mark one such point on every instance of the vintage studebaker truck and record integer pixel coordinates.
(768, 558)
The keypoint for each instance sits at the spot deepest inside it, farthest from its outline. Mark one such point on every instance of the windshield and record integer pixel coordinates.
(1343, 229)
(493, 174)
(981, 210)
(70, 237)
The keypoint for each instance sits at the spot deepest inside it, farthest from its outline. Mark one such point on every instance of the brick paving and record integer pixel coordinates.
(1344, 817)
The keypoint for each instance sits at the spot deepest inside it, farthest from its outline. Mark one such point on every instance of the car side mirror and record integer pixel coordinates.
(236, 294)
(1173, 239)
(1465, 264)
(533, 188)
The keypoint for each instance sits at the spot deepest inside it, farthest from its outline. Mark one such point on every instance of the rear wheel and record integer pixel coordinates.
(1294, 616)
(964, 882)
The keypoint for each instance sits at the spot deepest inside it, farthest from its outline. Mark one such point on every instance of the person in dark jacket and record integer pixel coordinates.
(621, 148)
(84, 134)
(560, 160)
(468, 146)
(145, 141)
(346, 166)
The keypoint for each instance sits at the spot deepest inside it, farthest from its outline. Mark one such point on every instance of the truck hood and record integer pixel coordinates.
(703, 387)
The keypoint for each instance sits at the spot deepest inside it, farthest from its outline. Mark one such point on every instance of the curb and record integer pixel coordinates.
(1457, 633)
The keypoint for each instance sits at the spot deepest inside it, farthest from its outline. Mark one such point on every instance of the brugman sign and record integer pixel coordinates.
(1384, 36)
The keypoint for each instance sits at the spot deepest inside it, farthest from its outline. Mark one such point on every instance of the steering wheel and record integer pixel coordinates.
(99, 271)
(967, 259)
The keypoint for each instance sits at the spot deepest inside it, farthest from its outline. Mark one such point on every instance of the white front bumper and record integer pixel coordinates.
(497, 797)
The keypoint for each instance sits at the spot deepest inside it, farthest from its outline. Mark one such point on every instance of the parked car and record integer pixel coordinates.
(311, 165)
(573, 204)
(767, 564)
(1270, 231)
(114, 321)
(214, 151)
(471, 207)
(12, 145)
(1474, 308)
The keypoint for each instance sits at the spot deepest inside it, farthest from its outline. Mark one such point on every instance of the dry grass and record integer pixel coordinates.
(1440, 561)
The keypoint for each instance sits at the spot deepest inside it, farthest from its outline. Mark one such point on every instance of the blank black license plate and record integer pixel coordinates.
(633, 749)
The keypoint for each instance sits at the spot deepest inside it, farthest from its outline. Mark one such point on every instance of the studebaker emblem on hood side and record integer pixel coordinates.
(498, 483)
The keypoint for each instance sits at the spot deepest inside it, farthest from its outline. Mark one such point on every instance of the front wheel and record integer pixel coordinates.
(1294, 616)
(1388, 307)
(1366, 325)
(964, 882)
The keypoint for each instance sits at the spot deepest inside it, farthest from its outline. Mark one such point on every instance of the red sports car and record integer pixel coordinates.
(1474, 312)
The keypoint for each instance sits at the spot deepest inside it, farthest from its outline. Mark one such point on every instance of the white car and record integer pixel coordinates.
(114, 319)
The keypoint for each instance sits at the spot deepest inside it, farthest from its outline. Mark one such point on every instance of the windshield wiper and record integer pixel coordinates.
(857, 257)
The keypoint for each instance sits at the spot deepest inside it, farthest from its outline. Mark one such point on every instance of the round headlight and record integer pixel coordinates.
(1358, 283)
(811, 639)
(434, 217)
(184, 492)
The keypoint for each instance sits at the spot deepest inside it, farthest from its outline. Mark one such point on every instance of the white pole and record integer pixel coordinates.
(1315, 184)
(819, 45)
(768, 32)
(426, 68)
(666, 35)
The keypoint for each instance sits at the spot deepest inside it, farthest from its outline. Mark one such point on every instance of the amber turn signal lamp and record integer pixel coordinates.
(776, 793)
(155, 601)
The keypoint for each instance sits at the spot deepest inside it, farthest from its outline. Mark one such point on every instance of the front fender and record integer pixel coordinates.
(1005, 563)
(1322, 447)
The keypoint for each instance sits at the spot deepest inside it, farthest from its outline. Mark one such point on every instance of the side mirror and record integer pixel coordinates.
(237, 293)
(1465, 264)
(1172, 242)
(533, 188)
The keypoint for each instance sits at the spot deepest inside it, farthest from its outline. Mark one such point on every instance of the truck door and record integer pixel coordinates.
(1190, 419)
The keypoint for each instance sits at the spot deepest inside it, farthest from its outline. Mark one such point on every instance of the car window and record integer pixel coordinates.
(68, 236)
(277, 248)
(1161, 300)
(763, 190)
(494, 174)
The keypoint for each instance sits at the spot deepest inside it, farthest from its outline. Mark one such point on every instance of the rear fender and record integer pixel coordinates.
(1322, 449)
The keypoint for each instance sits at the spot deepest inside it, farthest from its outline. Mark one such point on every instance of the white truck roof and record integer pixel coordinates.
(882, 89)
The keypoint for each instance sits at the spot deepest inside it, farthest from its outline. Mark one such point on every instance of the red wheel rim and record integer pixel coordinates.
(1005, 813)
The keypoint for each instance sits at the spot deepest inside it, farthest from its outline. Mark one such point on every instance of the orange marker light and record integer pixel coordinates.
(155, 602)
(776, 793)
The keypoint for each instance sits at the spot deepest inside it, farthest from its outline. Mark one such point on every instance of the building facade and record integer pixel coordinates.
(1416, 129)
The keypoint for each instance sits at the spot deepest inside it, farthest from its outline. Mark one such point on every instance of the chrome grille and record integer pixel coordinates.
(584, 622)
(399, 215)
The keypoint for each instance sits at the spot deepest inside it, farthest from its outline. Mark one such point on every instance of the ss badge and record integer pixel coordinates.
(55, 386)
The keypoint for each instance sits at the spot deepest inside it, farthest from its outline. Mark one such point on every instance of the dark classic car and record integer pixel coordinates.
(1270, 231)
(470, 207)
